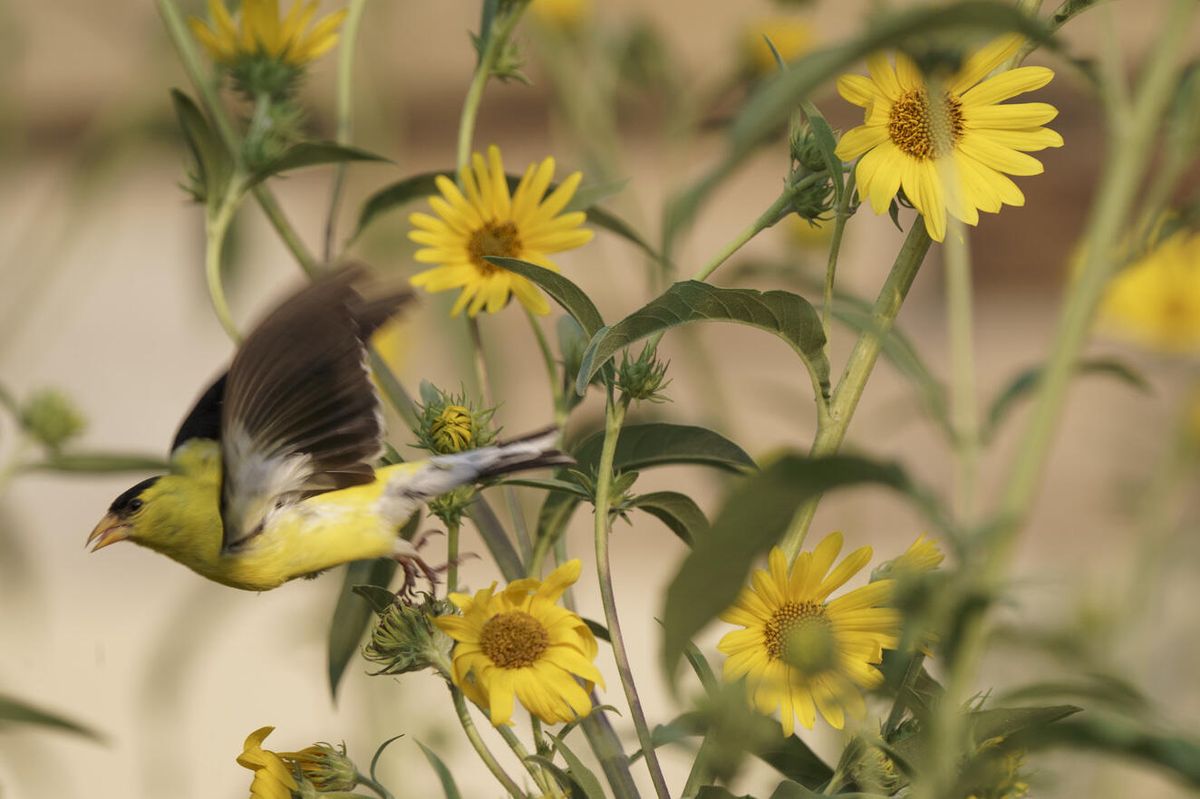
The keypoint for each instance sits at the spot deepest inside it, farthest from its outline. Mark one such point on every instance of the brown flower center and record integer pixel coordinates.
(924, 132)
(513, 640)
(494, 238)
(788, 619)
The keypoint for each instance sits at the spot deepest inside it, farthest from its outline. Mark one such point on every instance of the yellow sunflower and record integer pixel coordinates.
(1156, 301)
(792, 38)
(520, 643)
(260, 32)
(801, 652)
(487, 220)
(272, 777)
(950, 156)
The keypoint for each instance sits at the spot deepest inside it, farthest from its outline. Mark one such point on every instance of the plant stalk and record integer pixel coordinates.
(345, 114)
(217, 226)
(964, 407)
(841, 215)
(481, 748)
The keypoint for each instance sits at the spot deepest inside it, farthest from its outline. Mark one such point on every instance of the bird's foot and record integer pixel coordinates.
(414, 566)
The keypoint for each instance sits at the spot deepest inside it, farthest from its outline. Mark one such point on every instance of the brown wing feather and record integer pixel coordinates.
(300, 415)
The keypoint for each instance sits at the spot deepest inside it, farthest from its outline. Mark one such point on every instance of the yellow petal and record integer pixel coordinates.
(857, 141)
(988, 152)
(1011, 116)
(884, 76)
(858, 89)
(984, 60)
(1008, 84)
(851, 565)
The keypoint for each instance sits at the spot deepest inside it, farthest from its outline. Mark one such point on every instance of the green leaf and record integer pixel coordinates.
(376, 596)
(677, 511)
(641, 446)
(310, 153)
(754, 518)
(792, 758)
(16, 711)
(598, 630)
(1027, 381)
(496, 539)
(787, 315)
(581, 775)
(984, 725)
(1137, 741)
(590, 194)
(444, 776)
(564, 292)
(213, 163)
(564, 779)
(609, 221)
(791, 790)
(717, 792)
(93, 462)
(548, 484)
(352, 614)
(555, 512)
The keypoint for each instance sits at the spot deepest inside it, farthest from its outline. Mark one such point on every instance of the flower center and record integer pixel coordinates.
(923, 132)
(451, 430)
(494, 238)
(790, 619)
(513, 640)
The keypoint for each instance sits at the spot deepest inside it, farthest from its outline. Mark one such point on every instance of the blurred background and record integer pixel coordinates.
(102, 298)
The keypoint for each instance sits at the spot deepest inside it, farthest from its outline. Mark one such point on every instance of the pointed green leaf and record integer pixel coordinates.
(93, 462)
(677, 511)
(496, 538)
(590, 194)
(214, 166)
(984, 725)
(1132, 739)
(787, 315)
(444, 776)
(660, 444)
(754, 518)
(311, 153)
(581, 775)
(609, 221)
(1026, 382)
(548, 485)
(827, 144)
(564, 292)
(16, 711)
(352, 614)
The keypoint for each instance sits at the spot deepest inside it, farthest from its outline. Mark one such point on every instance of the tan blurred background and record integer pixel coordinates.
(101, 295)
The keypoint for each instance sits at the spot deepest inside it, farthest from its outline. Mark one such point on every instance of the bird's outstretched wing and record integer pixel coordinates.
(204, 420)
(299, 415)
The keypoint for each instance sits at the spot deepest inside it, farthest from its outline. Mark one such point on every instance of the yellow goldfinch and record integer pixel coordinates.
(271, 473)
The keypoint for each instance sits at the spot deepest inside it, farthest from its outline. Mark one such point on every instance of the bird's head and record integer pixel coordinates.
(130, 517)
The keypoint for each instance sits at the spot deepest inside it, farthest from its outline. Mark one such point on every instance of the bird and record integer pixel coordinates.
(272, 474)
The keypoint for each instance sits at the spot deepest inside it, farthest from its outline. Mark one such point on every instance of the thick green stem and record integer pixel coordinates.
(841, 215)
(615, 415)
(518, 748)
(502, 28)
(832, 428)
(345, 113)
(217, 226)
(481, 748)
(964, 413)
(452, 531)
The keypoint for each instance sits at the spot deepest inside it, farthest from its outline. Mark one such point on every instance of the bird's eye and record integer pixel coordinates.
(135, 504)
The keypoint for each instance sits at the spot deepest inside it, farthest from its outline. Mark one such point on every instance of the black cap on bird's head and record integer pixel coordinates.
(115, 526)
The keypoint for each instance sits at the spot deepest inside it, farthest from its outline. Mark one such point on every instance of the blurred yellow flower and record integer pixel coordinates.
(260, 32)
(801, 652)
(923, 556)
(1156, 300)
(520, 643)
(791, 37)
(487, 220)
(951, 158)
(811, 235)
(272, 777)
(561, 13)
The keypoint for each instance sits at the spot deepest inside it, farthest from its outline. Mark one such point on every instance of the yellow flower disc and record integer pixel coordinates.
(518, 644)
(801, 652)
(483, 219)
(950, 152)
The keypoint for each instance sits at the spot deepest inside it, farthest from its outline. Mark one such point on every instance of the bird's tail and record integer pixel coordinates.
(444, 473)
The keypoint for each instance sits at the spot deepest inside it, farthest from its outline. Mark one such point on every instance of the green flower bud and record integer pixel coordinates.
(405, 638)
(805, 150)
(451, 506)
(448, 423)
(643, 378)
(325, 767)
(50, 417)
(261, 75)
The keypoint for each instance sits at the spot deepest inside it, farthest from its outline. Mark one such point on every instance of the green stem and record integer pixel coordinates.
(345, 113)
(835, 247)
(615, 415)
(481, 748)
(556, 389)
(700, 773)
(374, 785)
(518, 748)
(218, 224)
(765, 220)
(964, 413)
(210, 98)
(502, 28)
(831, 430)
(452, 531)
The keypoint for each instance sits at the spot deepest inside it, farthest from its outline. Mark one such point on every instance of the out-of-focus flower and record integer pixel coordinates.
(568, 14)
(810, 233)
(999, 774)
(484, 219)
(50, 417)
(519, 643)
(325, 766)
(272, 777)
(950, 156)
(922, 556)
(259, 32)
(1156, 300)
(801, 652)
(792, 38)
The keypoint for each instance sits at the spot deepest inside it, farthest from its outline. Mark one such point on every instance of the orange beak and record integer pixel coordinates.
(110, 530)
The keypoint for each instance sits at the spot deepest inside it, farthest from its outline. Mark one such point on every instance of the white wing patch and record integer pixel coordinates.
(261, 481)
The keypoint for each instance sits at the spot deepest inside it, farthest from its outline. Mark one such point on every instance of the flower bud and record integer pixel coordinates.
(448, 423)
(644, 377)
(405, 638)
(324, 766)
(50, 417)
